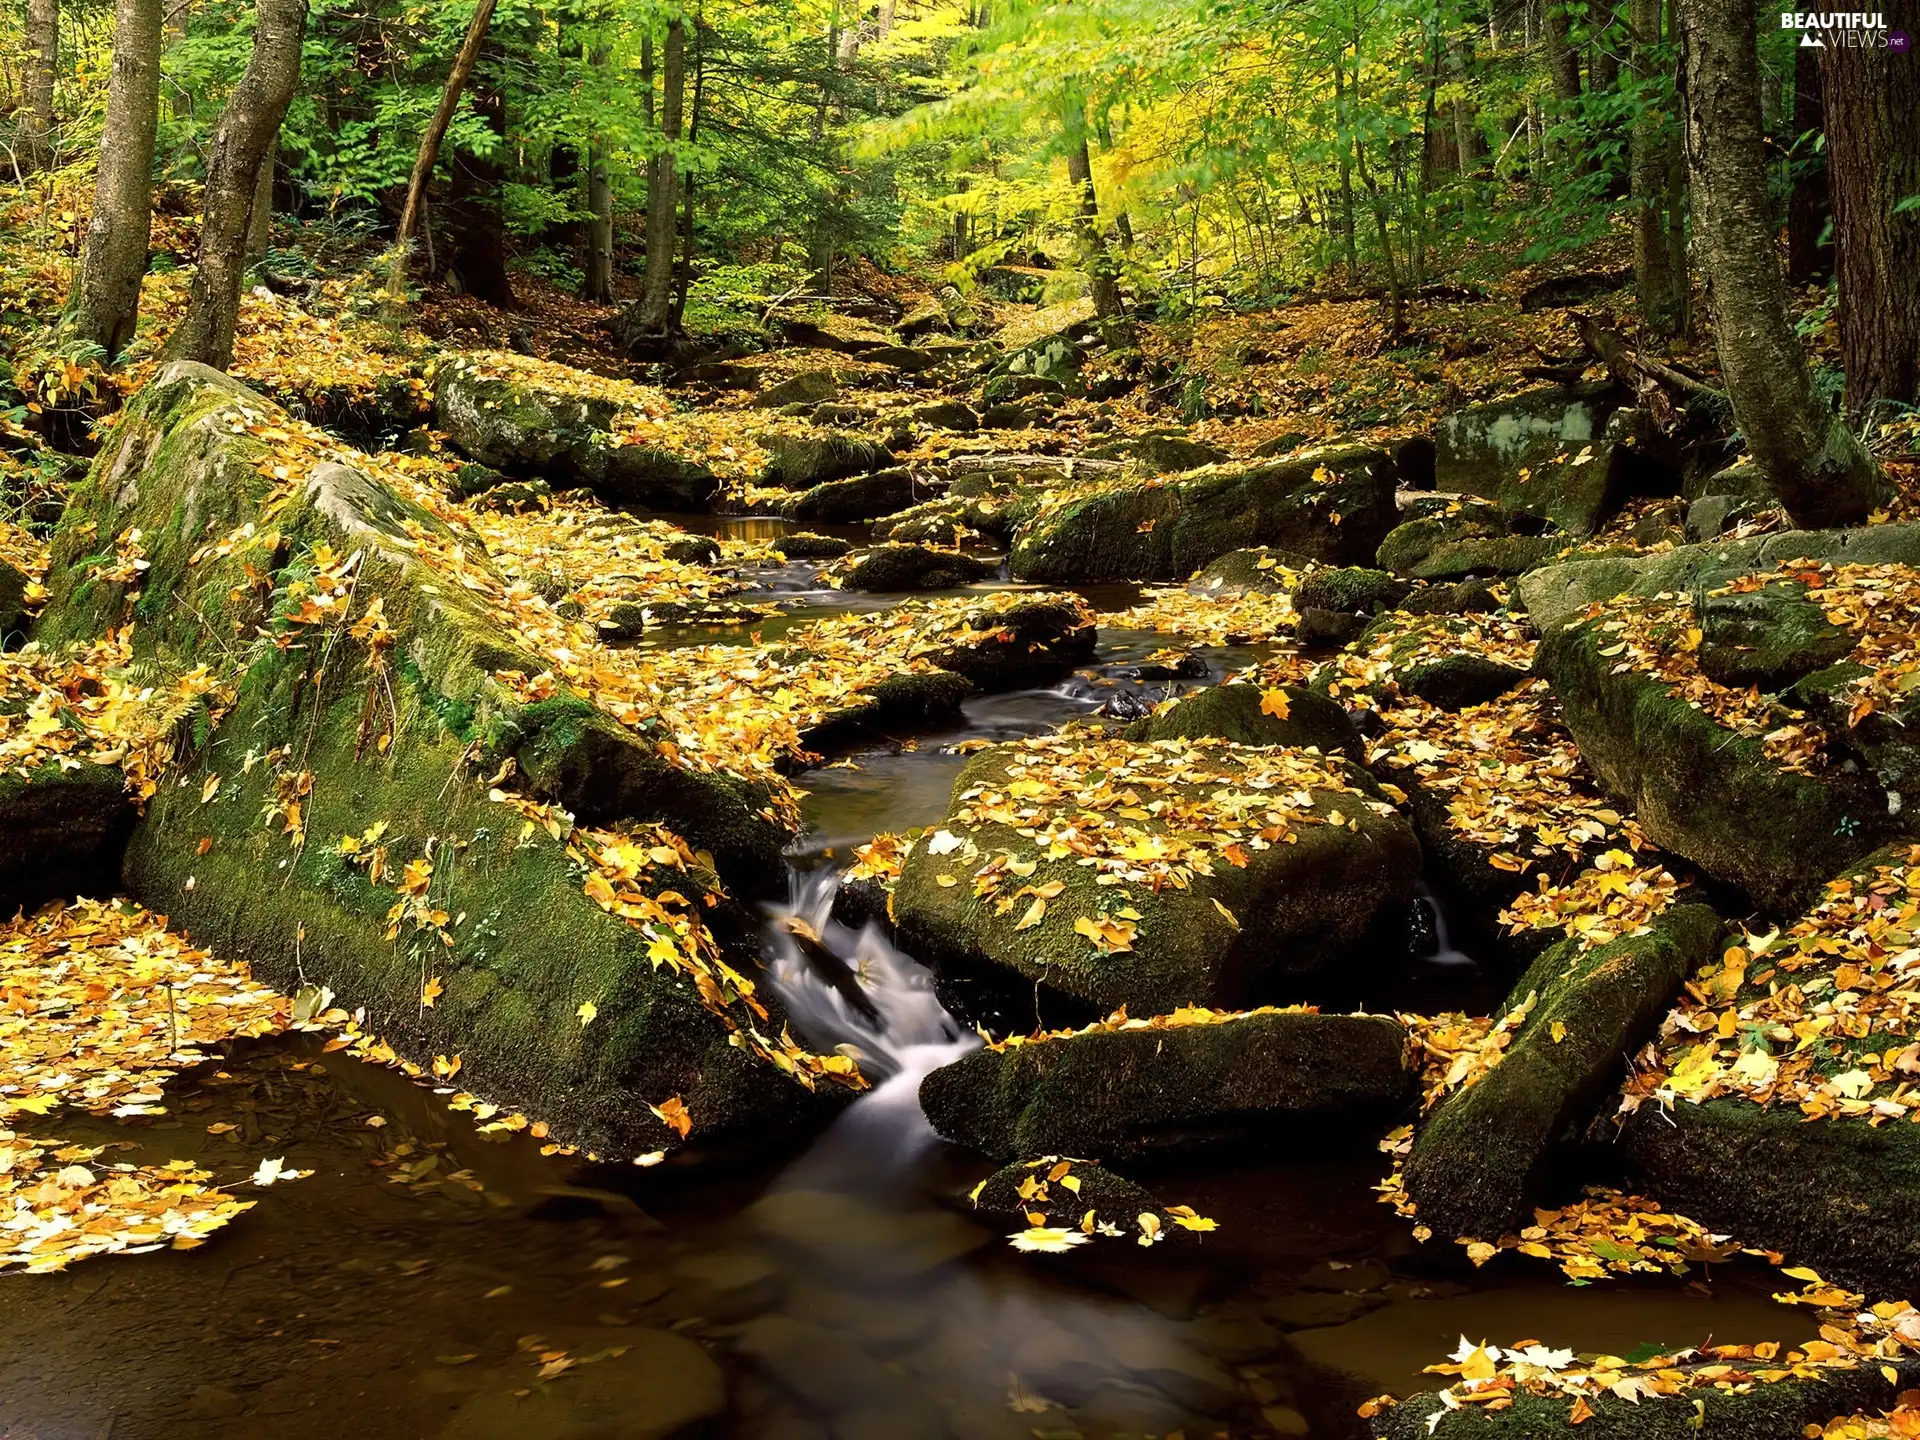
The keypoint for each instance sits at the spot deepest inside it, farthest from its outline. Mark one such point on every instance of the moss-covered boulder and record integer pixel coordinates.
(542, 419)
(1334, 507)
(1776, 1102)
(1176, 1085)
(1556, 595)
(910, 567)
(1014, 1194)
(62, 831)
(1163, 453)
(1768, 637)
(993, 513)
(805, 545)
(801, 459)
(1452, 661)
(1479, 1158)
(1353, 589)
(809, 387)
(1248, 715)
(1738, 800)
(1156, 875)
(1260, 569)
(1543, 453)
(366, 814)
(15, 609)
(1768, 1410)
(858, 497)
(954, 415)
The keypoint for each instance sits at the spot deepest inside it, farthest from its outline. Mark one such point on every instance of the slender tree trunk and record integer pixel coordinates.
(683, 273)
(107, 297)
(479, 230)
(1563, 65)
(598, 284)
(1809, 456)
(1647, 178)
(436, 132)
(1807, 258)
(1468, 143)
(648, 317)
(43, 62)
(1873, 163)
(260, 216)
(1105, 286)
(1603, 49)
(240, 144)
(1346, 166)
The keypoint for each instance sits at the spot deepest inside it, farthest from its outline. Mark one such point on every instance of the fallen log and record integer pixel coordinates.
(1658, 387)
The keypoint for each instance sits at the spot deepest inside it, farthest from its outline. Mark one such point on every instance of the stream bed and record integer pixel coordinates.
(426, 1280)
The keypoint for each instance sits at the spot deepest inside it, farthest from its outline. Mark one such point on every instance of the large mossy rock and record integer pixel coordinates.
(1711, 794)
(1333, 507)
(1543, 453)
(910, 567)
(1244, 715)
(62, 832)
(1156, 875)
(543, 423)
(802, 459)
(858, 497)
(1156, 1088)
(395, 726)
(1479, 1158)
(1556, 595)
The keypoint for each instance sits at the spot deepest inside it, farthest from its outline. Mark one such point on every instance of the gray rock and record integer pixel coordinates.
(809, 387)
(1556, 436)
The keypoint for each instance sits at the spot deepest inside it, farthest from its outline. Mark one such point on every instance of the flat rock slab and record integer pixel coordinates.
(659, 1385)
(1143, 1089)
(1167, 873)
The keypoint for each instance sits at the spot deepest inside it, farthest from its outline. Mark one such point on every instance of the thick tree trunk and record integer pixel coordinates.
(1873, 163)
(240, 141)
(260, 217)
(598, 283)
(43, 65)
(479, 259)
(436, 132)
(1603, 50)
(645, 322)
(1563, 61)
(1647, 178)
(107, 297)
(1470, 146)
(1808, 455)
(1807, 258)
(1105, 285)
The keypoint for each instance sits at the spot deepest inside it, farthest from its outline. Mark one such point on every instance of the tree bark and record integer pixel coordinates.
(240, 141)
(1807, 258)
(645, 322)
(43, 61)
(1811, 459)
(1102, 281)
(479, 231)
(1647, 178)
(260, 217)
(436, 132)
(1563, 61)
(598, 283)
(1469, 144)
(107, 297)
(1873, 163)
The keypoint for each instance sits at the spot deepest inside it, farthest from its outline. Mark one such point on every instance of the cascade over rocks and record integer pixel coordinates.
(1183, 1083)
(1156, 875)
(397, 719)
(558, 425)
(1334, 507)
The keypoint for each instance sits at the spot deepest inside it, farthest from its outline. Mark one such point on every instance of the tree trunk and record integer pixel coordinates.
(1469, 145)
(43, 60)
(1809, 456)
(598, 284)
(479, 231)
(645, 321)
(1563, 61)
(683, 273)
(1603, 49)
(1107, 304)
(1873, 163)
(1807, 258)
(429, 152)
(107, 297)
(1346, 166)
(1647, 179)
(260, 216)
(240, 142)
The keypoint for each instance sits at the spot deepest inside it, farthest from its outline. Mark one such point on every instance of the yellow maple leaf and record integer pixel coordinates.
(1274, 703)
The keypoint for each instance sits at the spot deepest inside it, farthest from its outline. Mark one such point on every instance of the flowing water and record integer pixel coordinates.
(427, 1281)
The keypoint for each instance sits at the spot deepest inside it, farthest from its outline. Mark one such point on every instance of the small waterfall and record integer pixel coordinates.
(1444, 953)
(855, 992)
